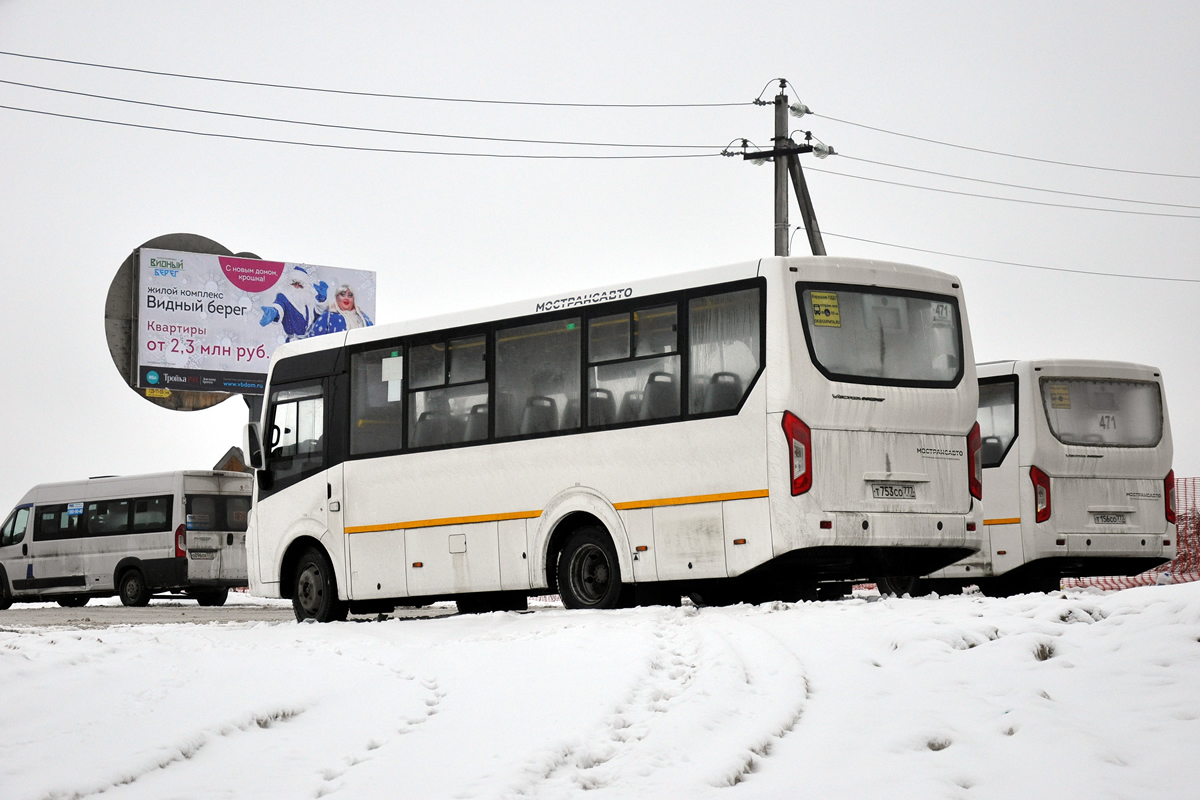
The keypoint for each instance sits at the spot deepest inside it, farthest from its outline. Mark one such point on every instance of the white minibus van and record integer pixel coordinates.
(1077, 475)
(134, 536)
(772, 429)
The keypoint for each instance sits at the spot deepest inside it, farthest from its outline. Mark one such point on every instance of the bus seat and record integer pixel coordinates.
(993, 449)
(661, 397)
(432, 428)
(631, 404)
(477, 422)
(570, 419)
(602, 408)
(724, 391)
(541, 415)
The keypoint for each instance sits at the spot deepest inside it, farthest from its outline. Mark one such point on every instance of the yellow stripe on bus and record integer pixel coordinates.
(667, 501)
(685, 501)
(1005, 521)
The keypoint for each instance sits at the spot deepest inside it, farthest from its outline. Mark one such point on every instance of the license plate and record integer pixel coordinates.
(893, 491)
(1110, 519)
(202, 556)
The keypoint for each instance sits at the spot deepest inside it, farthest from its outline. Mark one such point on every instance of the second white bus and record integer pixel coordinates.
(772, 429)
(1076, 472)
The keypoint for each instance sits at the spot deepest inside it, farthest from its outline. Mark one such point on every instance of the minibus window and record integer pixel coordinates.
(214, 512)
(883, 337)
(63, 521)
(152, 514)
(537, 378)
(1103, 413)
(108, 517)
(997, 419)
(237, 513)
(14, 527)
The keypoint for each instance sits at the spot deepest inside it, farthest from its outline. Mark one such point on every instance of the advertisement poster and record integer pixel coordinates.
(210, 323)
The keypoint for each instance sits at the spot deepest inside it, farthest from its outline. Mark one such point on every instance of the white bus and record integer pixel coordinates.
(134, 536)
(1076, 472)
(749, 431)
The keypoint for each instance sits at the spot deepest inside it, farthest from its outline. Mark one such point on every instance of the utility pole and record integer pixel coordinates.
(786, 155)
(781, 172)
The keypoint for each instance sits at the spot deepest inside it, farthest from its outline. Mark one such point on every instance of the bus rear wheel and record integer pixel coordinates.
(900, 585)
(215, 597)
(133, 589)
(589, 575)
(73, 601)
(315, 595)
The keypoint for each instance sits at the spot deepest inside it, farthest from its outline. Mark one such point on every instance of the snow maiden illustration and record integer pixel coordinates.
(298, 305)
(342, 314)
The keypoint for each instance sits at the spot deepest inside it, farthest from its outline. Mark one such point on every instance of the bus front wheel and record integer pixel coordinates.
(589, 575)
(315, 595)
(133, 589)
(900, 585)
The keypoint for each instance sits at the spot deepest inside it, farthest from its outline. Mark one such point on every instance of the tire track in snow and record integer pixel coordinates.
(180, 752)
(333, 776)
(710, 671)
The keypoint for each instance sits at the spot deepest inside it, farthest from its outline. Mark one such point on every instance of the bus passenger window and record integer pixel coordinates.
(725, 342)
(376, 401)
(454, 407)
(997, 419)
(537, 378)
(630, 378)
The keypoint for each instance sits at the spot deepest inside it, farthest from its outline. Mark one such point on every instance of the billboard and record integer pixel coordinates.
(209, 323)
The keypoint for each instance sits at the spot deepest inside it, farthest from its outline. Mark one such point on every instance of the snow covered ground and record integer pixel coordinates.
(1073, 694)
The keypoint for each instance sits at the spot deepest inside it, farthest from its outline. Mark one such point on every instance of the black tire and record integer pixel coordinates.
(133, 589)
(215, 597)
(900, 585)
(6, 598)
(73, 601)
(589, 575)
(315, 593)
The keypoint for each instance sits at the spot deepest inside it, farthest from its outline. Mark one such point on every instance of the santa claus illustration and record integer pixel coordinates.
(299, 303)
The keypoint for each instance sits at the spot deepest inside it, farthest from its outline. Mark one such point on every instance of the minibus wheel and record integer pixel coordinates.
(589, 575)
(315, 595)
(73, 601)
(133, 589)
(6, 599)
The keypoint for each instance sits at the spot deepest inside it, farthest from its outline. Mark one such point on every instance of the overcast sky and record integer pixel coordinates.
(1105, 84)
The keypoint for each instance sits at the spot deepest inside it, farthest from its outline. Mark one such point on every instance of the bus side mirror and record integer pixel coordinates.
(252, 445)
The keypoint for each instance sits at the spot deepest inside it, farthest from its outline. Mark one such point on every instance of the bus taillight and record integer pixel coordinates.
(180, 542)
(1169, 495)
(975, 462)
(1041, 491)
(800, 444)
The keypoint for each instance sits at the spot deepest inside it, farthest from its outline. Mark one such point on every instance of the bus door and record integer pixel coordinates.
(14, 545)
(296, 491)
(998, 401)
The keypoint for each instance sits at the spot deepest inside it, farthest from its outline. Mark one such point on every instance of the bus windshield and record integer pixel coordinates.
(1103, 413)
(895, 338)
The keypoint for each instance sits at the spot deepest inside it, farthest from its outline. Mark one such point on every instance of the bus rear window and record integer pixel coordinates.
(212, 512)
(894, 338)
(1103, 413)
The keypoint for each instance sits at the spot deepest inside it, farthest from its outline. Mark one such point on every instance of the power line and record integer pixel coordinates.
(1015, 263)
(1005, 199)
(1006, 155)
(354, 127)
(369, 94)
(355, 147)
(1011, 185)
